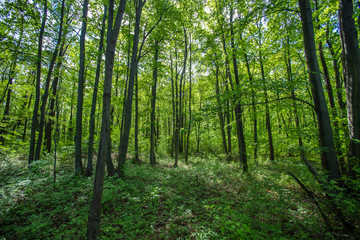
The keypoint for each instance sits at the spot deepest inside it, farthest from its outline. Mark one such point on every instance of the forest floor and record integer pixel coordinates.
(206, 198)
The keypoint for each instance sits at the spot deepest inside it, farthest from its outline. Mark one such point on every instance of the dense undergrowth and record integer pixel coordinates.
(207, 198)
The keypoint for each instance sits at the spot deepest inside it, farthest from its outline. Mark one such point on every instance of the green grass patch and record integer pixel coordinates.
(205, 199)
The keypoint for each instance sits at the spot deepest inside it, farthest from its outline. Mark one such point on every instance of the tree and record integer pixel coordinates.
(352, 69)
(328, 152)
(45, 95)
(93, 224)
(124, 141)
(237, 102)
(79, 110)
(94, 97)
(34, 125)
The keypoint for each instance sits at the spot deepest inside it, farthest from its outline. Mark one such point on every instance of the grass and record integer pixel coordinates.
(205, 199)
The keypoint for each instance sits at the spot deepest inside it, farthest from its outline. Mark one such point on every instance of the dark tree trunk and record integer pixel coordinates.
(93, 224)
(237, 102)
(80, 96)
(47, 83)
(328, 155)
(333, 111)
(177, 140)
(227, 81)
(340, 100)
(136, 130)
(153, 105)
(71, 127)
(173, 108)
(89, 167)
(190, 119)
(254, 115)
(198, 135)
(34, 124)
(126, 83)
(54, 86)
(124, 141)
(352, 65)
(109, 164)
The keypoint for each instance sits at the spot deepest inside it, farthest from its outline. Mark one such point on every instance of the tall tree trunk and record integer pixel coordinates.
(89, 167)
(198, 135)
(340, 100)
(237, 102)
(177, 140)
(71, 125)
(109, 164)
(333, 111)
(136, 130)
(153, 105)
(34, 124)
(47, 83)
(328, 155)
(220, 114)
(81, 81)
(124, 141)
(126, 83)
(351, 51)
(228, 79)
(54, 86)
(253, 106)
(173, 108)
(93, 224)
(190, 119)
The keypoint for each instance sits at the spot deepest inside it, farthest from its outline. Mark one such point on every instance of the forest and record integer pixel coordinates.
(179, 119)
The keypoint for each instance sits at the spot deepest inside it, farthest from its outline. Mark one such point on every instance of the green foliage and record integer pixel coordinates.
(208, 199)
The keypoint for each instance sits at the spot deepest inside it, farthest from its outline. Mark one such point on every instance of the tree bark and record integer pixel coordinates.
(47, 83)
(34, 124)
(89, 167)
(80, 96)
(333, 111)
(136, 130)
(340, 100)
(237, 102)
(328, 153)
(173, 108)
(190, 119)
(177, 140)
(124, 141)
(93, 224)
(254, 116)
(54, 86)
(352, 68)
